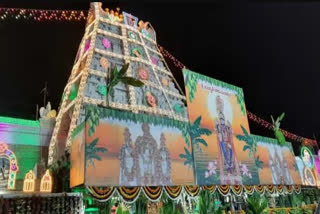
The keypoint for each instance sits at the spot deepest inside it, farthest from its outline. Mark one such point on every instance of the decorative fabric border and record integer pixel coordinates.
(131, 194)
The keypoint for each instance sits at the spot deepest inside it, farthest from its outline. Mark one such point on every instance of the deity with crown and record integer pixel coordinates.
(147, 149)
(163, 163)
(229, 168)
(128, 162)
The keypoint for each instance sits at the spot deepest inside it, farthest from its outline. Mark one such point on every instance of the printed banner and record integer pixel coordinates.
(219, 131)
(127, 149)
(77, 158)
(306, 166)
(278, 162)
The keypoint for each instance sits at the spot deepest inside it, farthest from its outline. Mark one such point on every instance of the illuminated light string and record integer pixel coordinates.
(251, 115)
(42, 15)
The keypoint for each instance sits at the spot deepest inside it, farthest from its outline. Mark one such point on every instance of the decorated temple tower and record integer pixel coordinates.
(113, 39)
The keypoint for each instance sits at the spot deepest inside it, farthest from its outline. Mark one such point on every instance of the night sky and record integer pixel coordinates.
(269, 49)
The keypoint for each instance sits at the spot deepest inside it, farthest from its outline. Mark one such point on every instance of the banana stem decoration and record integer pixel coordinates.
(120, 76)
(277, 132)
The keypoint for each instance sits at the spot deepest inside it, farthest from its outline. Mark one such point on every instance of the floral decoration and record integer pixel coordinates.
(104, 63)
(151, 100)
(143, 73)
(211, 170)
(154, 60)
(106, 43)
(245, 170)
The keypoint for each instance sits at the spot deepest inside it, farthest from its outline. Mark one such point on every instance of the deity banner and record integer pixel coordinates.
(277, 163)
(127, 149)
(218, 131)
(307, 169)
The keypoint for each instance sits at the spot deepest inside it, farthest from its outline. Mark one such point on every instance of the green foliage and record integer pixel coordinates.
(207, 204)
(169, 206)
(119, 76)
(140, 206)
(195, 131)
(191, 85)
(91, 151)
(257, 204)
(277, 132)
(73, 92)
(92, 118)
(258, 162)
(102, 89)
(296, 211)
(188, 157)
(251, 144)
(120, 210)
(60, 171)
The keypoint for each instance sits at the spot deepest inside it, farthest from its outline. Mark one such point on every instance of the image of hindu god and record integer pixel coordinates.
(230, 172)
(307, 158)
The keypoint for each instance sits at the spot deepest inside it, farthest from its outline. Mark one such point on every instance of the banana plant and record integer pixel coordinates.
(91, 151)
(120, 76)
(257, 204)
(277, 132)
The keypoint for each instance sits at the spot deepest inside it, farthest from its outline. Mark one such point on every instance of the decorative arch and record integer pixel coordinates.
(6, 152)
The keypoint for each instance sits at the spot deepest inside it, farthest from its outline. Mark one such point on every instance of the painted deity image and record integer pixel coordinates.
(144, 164)
(4, 171)
(307, 158)
(279, 168)
(229, 167)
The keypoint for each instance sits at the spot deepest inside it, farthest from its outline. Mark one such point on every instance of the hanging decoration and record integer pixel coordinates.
(237, 189)
(289, 189)
(212, 188)
(29, 182)
(173, 191)
(46, 182)
(251, 116)
(153, 193)
(224, 189)
(259, 189)
(42, 15)
(249, 189)
(101, 193)
(192, 191)
(270, 188)
(129, 194)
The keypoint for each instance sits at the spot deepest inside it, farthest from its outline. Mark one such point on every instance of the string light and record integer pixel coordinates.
(251, 116)
(29, 182)
(46, 182)
(42, 15)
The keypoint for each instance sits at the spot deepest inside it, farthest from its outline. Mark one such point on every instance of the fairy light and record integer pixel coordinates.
(29, 182)
(42, 15)
(251, 115)
(46, 182)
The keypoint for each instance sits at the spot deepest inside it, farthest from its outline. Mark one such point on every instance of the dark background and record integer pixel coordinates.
(270, 49)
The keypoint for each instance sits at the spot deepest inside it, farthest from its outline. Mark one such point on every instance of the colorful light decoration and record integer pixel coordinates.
(42, 15)
(29, 182)
(46, 182)
(4, 151)
(251, 116)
